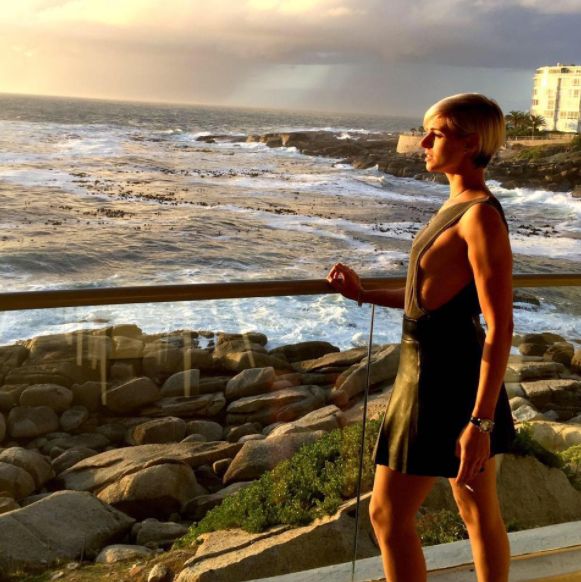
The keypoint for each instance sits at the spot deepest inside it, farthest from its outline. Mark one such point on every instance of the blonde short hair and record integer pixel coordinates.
(472, 113)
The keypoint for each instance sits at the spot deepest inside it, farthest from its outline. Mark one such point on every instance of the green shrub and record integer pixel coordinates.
(539, 152)
(441, 527)
(524, 444)
(313, 483)
(571, 459)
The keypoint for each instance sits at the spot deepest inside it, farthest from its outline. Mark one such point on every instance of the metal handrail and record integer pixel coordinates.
(233, 290)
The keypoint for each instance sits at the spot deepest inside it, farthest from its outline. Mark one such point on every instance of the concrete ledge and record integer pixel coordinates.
(550, 554)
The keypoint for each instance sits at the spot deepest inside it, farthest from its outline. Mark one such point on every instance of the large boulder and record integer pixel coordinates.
(160, 430)
(532, 370)
(15, 482)
(89, 394)
(258, 456)
(73, 418)
(161, 361)
(238, 361)
(561, 352)
(282, 405)
(309, 350)
(2, 427)
(132, 395)
(63, 373)
(332, 360)
(10, 395)
(71, 457)
(203, 405)
(155, 491)
(87, 440)
(244, 556)
(11, 357)
(537, 392)
(31, 421)
(54, 396)
(526, 413)
(253, 337)
(64, 526)
(185, 383)
(122, 553)
(236, 432)
(87, 345)
(530, 493)
(8, 504)
(32, 462)
(556, 436)
(237, 345)
(383, 369)
(99, 471)
(250, 382)
(211, 430)
(126, 348)
(534, 495)
(152, 532)
(196, 508)
(327, 418)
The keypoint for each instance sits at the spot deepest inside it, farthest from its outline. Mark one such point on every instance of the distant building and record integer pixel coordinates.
(557, 97)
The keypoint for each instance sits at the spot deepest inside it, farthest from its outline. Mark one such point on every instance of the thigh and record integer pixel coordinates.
(398, 495)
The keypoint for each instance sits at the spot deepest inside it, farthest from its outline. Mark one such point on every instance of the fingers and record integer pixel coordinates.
(469, 470)
(339, 273)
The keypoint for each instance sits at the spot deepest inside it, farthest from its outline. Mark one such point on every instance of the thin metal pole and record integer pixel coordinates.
(362, 446)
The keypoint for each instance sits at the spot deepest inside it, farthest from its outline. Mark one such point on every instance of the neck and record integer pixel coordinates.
(472, 180)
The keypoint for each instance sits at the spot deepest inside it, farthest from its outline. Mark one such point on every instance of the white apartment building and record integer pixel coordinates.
(557, 97)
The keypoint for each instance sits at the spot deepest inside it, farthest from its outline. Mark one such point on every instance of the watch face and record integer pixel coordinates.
(486, 425)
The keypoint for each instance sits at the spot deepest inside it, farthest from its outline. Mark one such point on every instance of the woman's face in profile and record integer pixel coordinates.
(445, 150)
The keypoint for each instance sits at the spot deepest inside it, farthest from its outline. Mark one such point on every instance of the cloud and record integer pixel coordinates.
(511, 33)
(224, 50)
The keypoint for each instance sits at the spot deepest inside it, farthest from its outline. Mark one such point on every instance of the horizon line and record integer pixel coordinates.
(197, 104)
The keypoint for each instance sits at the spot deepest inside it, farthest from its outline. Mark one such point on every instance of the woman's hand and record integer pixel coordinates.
(473, 448)
(346, 281)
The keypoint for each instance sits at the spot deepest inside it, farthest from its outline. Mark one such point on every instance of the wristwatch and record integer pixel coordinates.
(483, 424)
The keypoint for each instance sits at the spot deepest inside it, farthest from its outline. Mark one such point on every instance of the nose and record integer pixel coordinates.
(426, 141)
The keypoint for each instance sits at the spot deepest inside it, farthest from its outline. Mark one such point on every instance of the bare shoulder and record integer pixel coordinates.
(481, 218)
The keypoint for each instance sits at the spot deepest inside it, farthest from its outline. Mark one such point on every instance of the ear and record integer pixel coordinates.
(471, 143)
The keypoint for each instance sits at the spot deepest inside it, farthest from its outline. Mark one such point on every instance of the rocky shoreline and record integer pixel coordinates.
(554, 171)
(129, 438)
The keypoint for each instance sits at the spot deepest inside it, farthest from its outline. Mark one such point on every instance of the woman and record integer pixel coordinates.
(448, 414)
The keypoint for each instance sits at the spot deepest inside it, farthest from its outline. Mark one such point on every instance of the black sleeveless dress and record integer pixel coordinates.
(438, 374)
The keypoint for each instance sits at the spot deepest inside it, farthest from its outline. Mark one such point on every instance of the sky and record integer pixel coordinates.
(392, 57)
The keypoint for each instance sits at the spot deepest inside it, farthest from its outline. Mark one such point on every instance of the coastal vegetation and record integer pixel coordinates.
(523, 123)
(320, 476)
(311, 484)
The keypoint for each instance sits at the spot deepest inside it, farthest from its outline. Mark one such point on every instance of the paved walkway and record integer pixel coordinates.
(546, 554)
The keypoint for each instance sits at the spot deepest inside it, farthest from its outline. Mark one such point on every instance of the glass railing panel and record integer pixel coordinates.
(212, 417)
(193, 413)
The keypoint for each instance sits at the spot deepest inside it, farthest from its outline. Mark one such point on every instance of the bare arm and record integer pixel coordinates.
(384, 297)
(490, 257)
(346, 281)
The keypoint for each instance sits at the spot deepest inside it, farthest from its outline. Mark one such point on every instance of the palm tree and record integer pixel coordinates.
(536, 122)
(516, 121)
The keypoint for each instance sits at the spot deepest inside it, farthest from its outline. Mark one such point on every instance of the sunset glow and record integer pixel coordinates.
(319, 54)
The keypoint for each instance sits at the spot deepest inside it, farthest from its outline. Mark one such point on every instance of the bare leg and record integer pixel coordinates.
(395, 501)
(480, 511)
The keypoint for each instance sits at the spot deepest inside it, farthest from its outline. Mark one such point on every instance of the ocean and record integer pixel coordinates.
(106, 194)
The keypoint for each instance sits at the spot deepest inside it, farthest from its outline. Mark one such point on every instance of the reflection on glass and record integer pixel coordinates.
(200, 424)
(243, 444)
